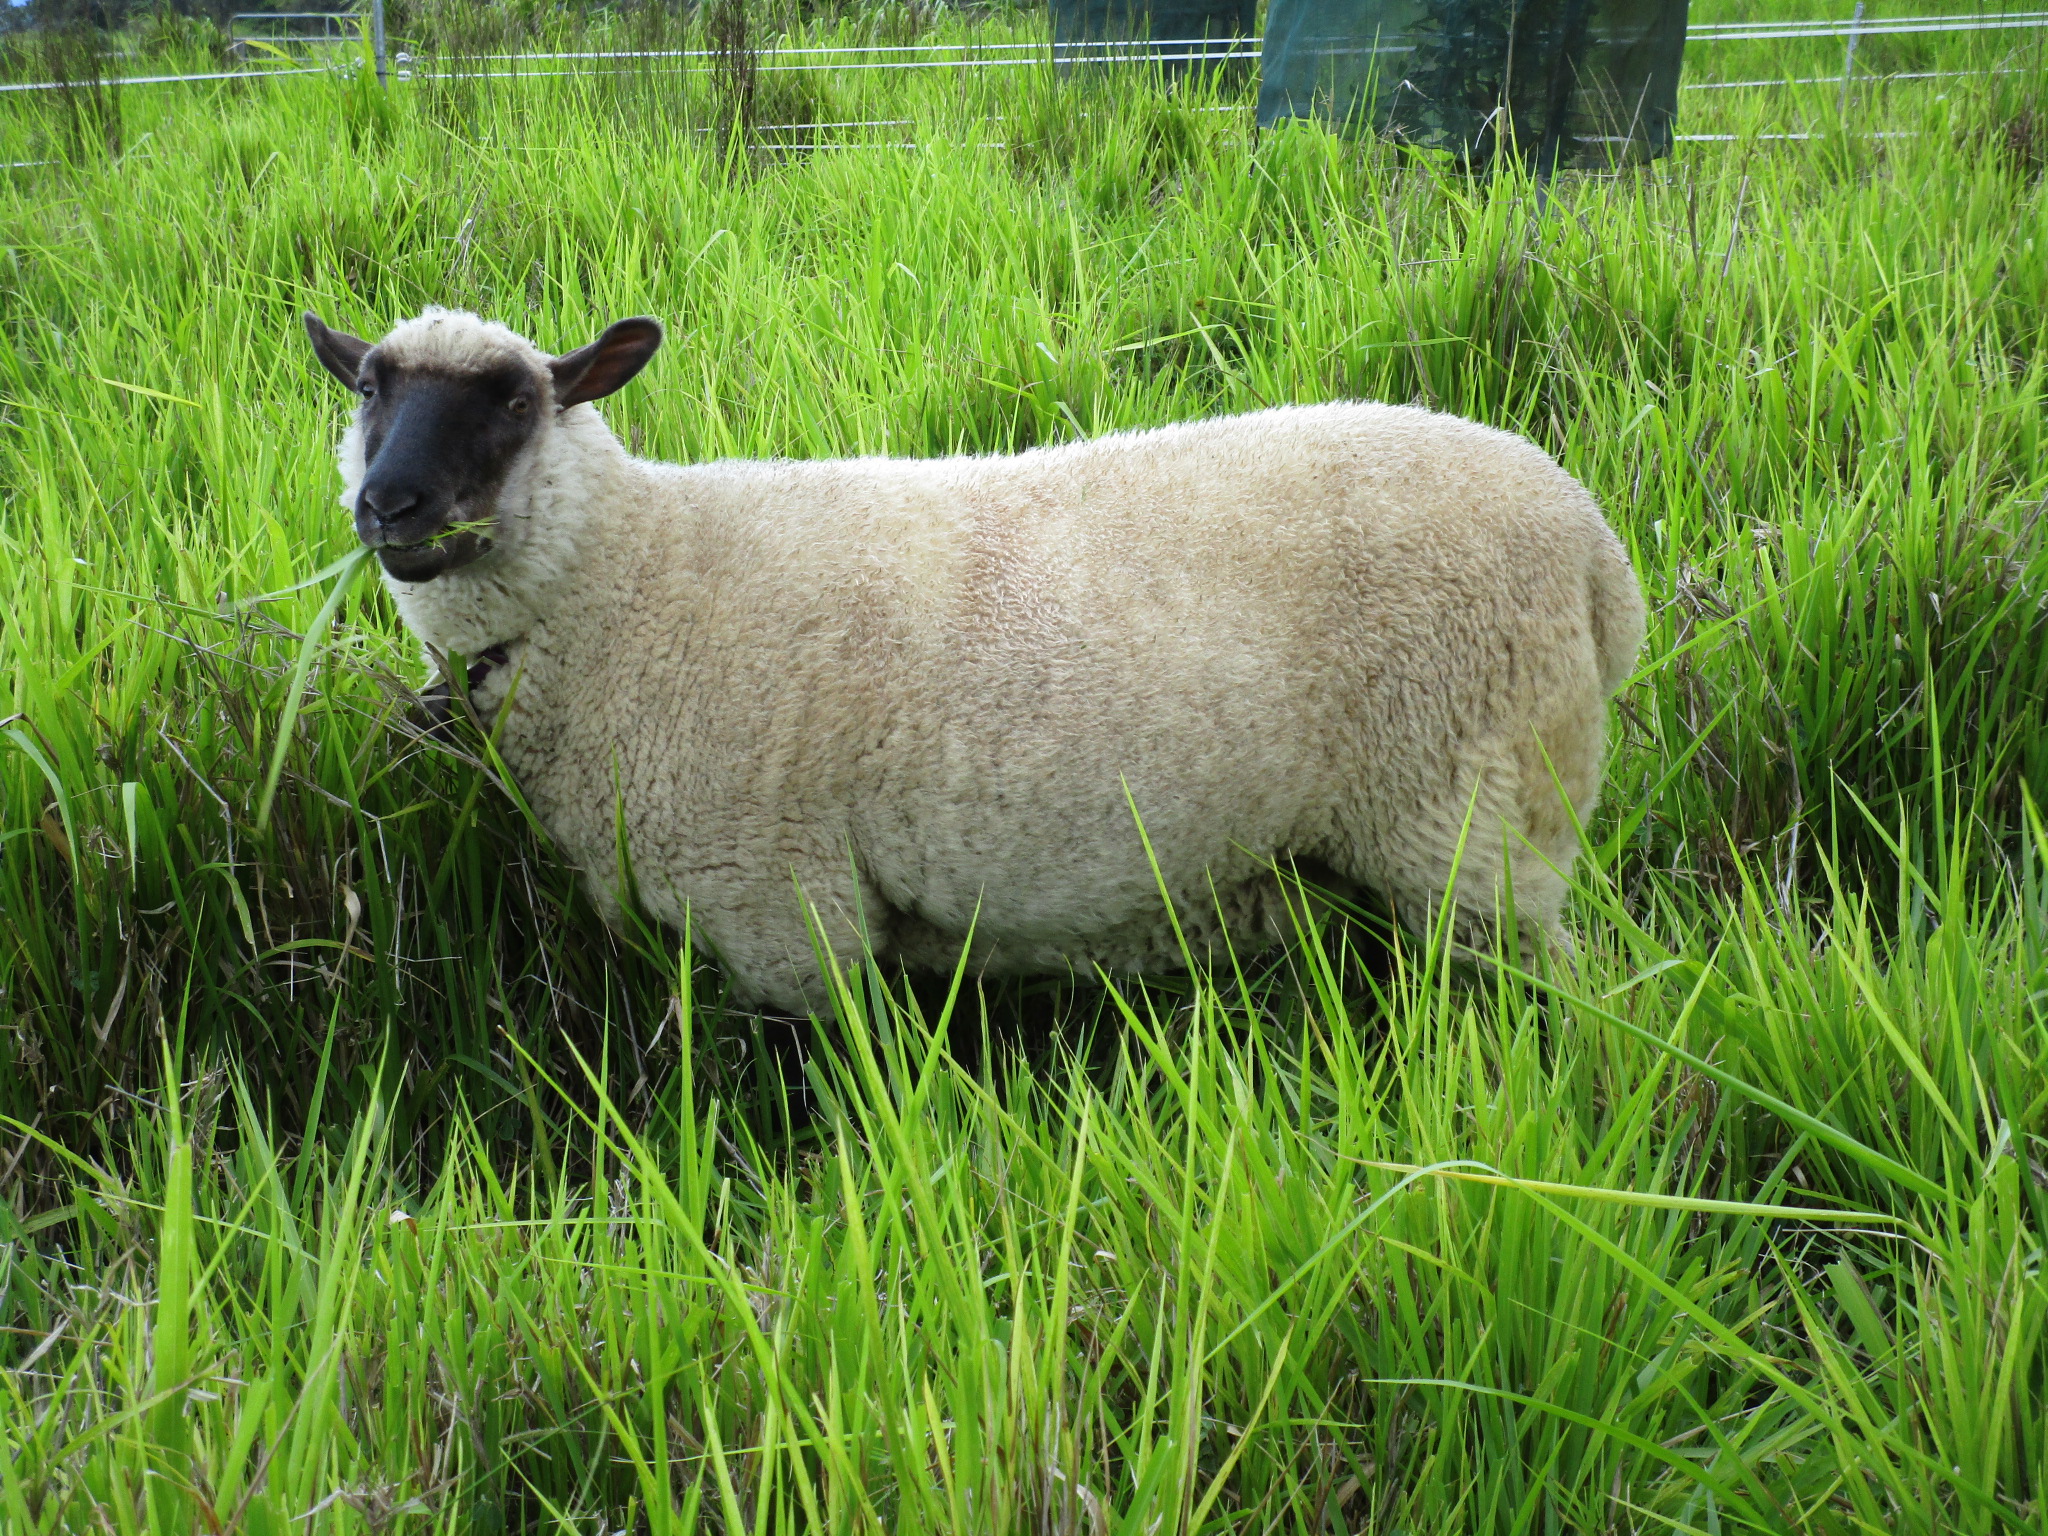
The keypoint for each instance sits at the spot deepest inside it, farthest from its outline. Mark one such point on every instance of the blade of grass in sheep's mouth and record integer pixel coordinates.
(480, 528)
(315, 640)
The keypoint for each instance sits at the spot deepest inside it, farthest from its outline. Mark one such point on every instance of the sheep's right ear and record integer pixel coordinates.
(340, 353)
(608, 363)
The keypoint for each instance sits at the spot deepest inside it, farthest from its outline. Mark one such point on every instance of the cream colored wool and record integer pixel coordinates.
(916, 691)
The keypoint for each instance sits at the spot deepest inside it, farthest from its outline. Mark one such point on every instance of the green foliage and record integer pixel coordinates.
(1518, 1258)
(1145, 1279)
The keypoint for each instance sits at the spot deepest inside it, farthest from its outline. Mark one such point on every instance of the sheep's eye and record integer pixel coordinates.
(519, 405)
(367, 390)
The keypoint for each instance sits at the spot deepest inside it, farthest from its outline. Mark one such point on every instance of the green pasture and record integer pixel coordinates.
(354, 1179)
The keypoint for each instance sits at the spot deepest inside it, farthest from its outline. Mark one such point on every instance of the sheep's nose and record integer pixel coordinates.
(387, 503)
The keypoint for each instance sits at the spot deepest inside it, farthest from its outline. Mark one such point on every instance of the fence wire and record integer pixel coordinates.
(807, 58)
(810, 58)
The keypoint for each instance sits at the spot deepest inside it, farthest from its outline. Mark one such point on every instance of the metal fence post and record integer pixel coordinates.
(377, 32)
(1848, 57)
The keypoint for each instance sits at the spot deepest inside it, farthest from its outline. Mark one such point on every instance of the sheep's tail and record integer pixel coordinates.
(1617, 605)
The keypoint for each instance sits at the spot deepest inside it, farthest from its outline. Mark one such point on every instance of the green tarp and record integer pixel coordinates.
(1178, 33)
(1587, 83)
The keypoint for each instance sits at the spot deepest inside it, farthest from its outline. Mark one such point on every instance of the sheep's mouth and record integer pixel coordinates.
(446, 551)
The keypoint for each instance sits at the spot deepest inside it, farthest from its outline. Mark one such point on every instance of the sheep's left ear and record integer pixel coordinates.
(608, 363)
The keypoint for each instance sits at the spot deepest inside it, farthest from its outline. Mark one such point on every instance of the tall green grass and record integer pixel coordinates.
(1739, 1237)
(1165, 1271)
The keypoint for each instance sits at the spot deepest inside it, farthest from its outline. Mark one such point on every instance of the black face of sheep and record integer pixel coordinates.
(438, 441)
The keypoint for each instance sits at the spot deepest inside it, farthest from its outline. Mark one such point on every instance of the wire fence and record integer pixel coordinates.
(975, 54)
(276, 28)
(1746, 31)
(801, 57)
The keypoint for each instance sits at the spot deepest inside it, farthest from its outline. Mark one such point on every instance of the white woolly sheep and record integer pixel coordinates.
(928, 694)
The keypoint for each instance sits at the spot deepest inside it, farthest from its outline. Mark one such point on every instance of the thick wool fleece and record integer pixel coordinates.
(923, 697)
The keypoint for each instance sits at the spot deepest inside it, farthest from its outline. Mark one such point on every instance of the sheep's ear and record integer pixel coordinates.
(340, 353)
(608, 363)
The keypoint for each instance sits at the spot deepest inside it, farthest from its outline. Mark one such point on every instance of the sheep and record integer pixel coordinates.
(921, 705)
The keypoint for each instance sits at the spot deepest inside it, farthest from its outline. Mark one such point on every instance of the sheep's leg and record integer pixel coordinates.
(772, 936)
(1508, 838)
(1558, 762)
(1455, 848)
(605, 898)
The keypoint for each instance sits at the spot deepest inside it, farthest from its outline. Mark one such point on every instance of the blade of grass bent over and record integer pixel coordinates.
(316, 637)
